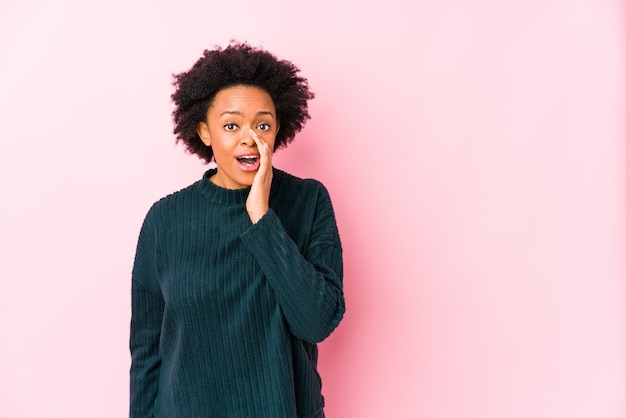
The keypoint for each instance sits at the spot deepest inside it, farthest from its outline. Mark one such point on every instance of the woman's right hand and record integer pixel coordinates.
(257, 203)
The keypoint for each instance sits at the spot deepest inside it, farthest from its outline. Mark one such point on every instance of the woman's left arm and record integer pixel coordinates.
(309, 285)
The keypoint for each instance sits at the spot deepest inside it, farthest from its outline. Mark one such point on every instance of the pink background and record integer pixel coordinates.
(475, 155)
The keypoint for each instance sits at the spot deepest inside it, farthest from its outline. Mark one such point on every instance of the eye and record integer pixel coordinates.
(230, 127)
(263, 126)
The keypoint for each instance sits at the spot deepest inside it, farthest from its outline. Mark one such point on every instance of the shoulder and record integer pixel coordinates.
(284, 179)
(298, 194)
(172, 201)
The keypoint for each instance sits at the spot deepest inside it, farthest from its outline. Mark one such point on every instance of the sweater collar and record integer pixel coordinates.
(219, 194)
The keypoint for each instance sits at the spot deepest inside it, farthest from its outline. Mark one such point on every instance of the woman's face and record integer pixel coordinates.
(233, 112)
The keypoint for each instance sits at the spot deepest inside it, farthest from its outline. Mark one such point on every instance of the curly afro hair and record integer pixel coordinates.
(238, 64)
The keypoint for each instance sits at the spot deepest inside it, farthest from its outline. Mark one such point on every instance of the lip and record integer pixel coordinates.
(249, 154)
(248, 167)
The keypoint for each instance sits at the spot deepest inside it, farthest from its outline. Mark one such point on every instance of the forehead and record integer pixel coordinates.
(243, 96)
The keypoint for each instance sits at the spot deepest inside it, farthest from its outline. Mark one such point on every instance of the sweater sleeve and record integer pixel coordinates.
(145, 326)
(308, 286)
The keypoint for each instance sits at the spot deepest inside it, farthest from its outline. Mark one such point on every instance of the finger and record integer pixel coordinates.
(262, 146)
(257, 139)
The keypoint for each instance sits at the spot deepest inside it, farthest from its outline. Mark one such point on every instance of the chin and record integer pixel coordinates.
(246, 181)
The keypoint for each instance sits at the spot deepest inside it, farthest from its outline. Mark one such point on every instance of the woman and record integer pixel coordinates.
(239, 275)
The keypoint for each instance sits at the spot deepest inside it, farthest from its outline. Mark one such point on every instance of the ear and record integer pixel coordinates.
(203, 132)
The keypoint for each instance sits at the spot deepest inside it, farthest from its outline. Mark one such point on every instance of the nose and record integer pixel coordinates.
(246, 139)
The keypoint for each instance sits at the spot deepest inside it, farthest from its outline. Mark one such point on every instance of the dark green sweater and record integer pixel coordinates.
(226, 314)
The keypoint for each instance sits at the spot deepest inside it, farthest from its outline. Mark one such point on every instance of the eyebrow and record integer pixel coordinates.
(259, 113)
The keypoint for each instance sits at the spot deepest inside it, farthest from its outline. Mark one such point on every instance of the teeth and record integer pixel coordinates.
(248, 160)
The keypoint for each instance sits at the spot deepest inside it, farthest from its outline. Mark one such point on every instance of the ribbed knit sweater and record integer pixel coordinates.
(226, 314)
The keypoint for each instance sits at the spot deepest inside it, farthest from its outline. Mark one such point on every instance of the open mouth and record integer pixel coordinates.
(248, 160)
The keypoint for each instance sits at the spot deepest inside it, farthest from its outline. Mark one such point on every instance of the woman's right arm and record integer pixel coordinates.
(145, 326)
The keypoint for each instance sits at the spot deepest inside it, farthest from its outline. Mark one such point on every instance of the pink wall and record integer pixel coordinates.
(474, 151)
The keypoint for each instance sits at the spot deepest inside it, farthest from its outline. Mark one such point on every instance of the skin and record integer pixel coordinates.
(242, 120)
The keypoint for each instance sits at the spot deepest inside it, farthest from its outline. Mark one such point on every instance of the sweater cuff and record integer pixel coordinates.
(268, 224)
